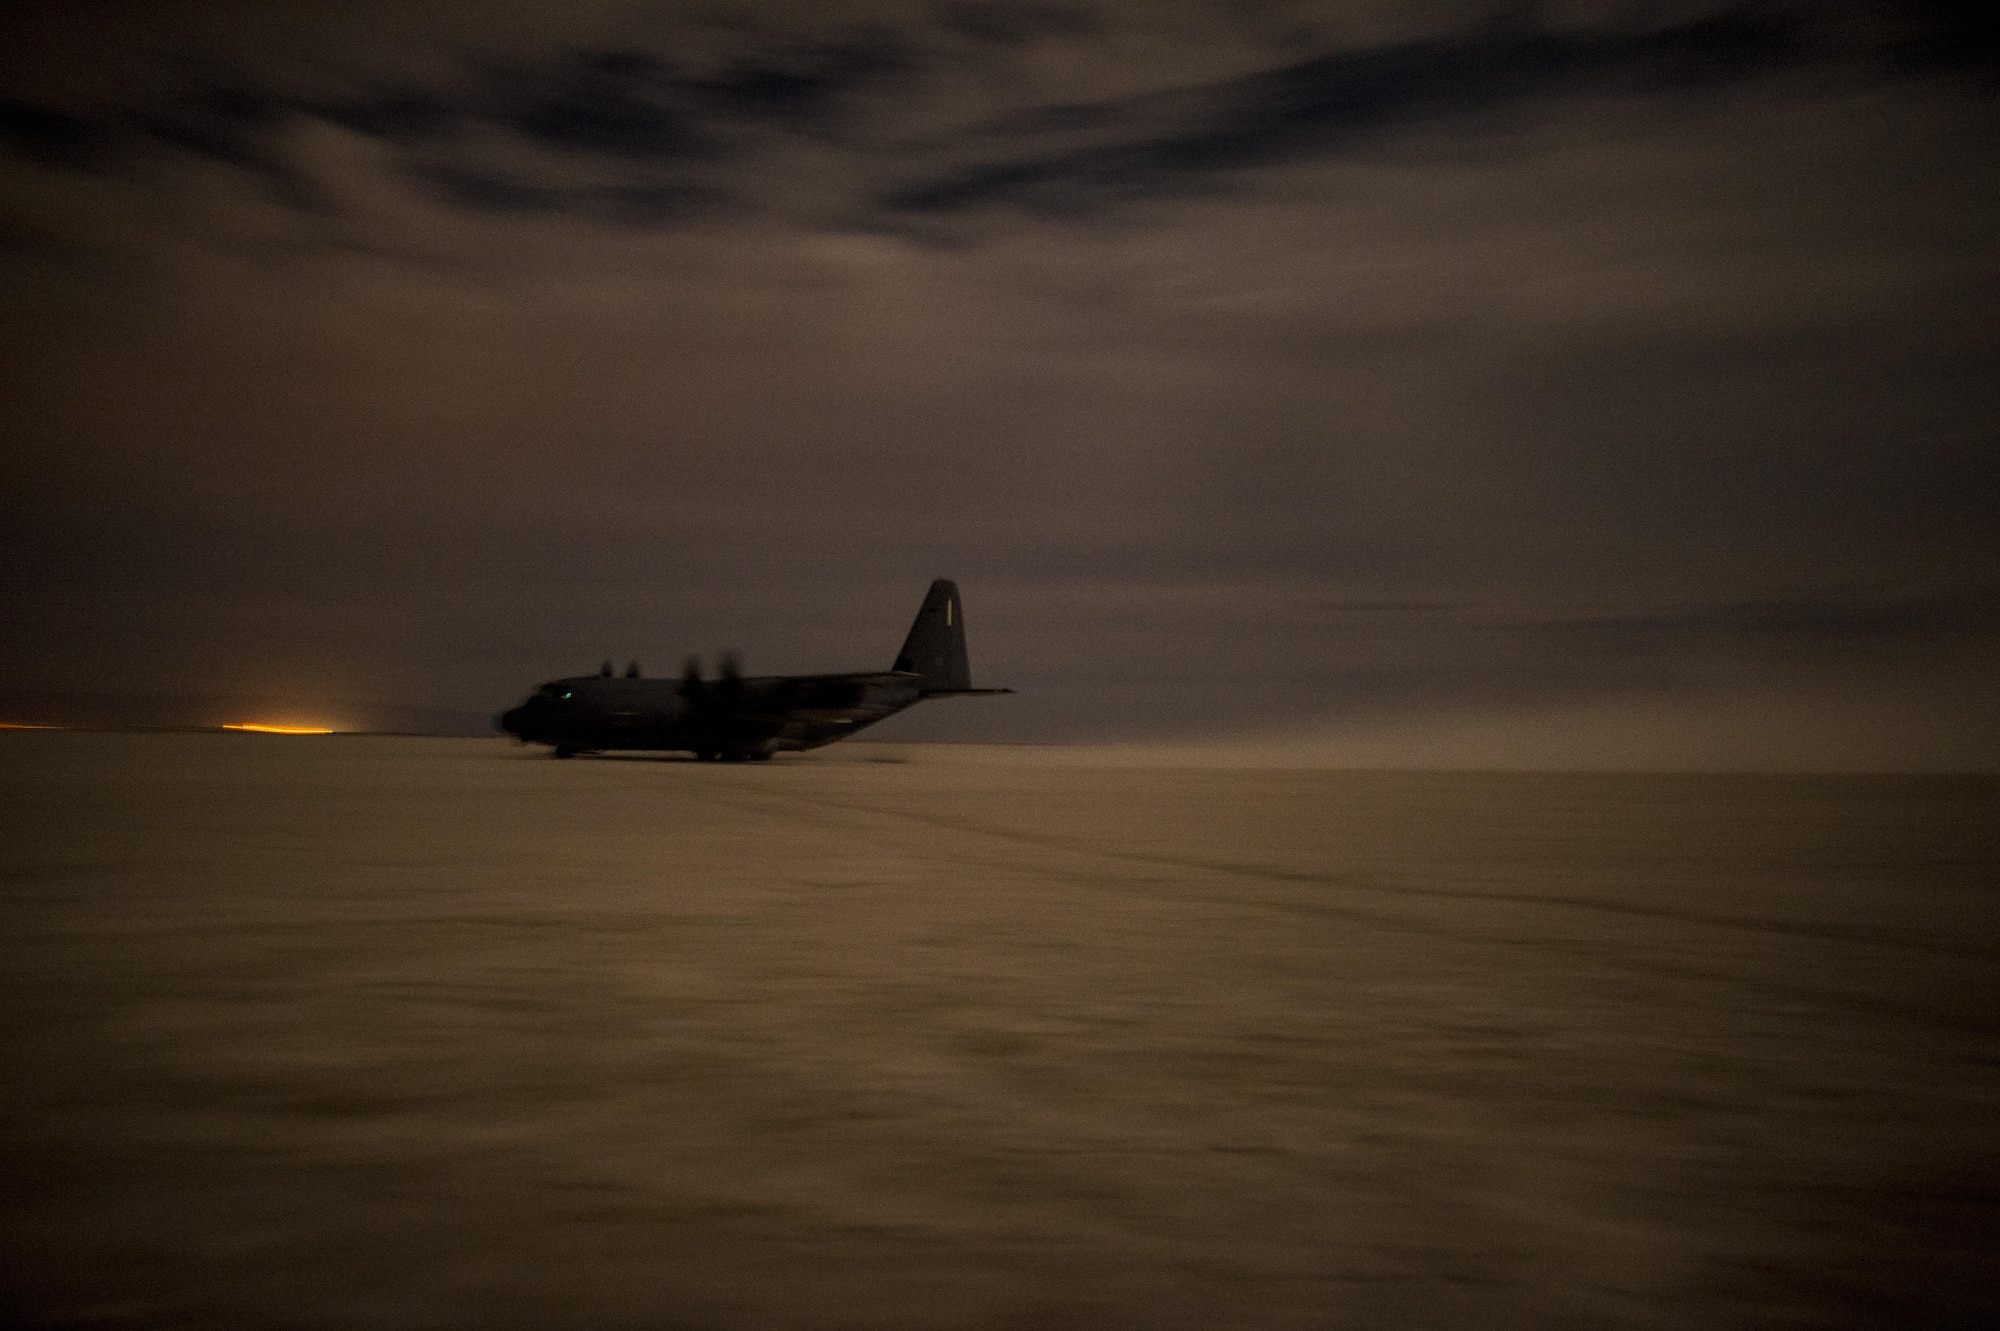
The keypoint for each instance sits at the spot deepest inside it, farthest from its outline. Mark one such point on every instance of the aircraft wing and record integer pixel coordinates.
(862, 677)
(898, 677)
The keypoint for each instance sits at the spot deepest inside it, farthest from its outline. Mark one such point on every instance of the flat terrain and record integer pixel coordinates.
(382, 1033)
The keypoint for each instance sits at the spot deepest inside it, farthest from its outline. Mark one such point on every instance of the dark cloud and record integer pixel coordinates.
(53, 137)
(1016, 22)
(805, 80)
(1328, 102)
(237, 125)
(1950, 33)
(613, 103)
(637, 111)
(633, 106)
(402, 114)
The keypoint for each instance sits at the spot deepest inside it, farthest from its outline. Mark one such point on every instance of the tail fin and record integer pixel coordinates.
(935, 648)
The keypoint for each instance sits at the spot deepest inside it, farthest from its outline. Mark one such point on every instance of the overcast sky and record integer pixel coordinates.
(1612, 384)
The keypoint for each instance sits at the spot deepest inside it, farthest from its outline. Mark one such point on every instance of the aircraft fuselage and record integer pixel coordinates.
(747, 718)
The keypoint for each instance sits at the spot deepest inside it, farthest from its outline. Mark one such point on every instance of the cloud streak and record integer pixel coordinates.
(1334, 101)
(632, 136)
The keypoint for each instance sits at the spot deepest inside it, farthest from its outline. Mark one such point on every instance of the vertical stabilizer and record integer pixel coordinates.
(935, 648)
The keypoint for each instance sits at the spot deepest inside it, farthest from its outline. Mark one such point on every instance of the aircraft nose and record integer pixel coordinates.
(509, 721)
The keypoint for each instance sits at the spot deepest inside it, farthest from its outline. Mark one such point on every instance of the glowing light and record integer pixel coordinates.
(17, 725)
(254, 728)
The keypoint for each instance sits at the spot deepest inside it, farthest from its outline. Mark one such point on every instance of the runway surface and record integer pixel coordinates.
(385, 1033)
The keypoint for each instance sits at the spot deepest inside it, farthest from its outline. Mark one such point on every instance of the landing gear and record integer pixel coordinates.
(706, 755)
(567, 750)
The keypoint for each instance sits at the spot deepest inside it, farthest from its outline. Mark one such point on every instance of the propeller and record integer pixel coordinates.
(727, 683)
(716, 708)
(693, 687)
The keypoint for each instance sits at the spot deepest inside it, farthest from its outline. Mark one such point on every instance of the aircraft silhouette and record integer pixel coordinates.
(734, 718)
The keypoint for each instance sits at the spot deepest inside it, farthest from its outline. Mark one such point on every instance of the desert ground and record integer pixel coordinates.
(403, 1033)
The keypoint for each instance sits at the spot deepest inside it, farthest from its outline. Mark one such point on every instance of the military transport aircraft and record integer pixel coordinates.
(736, 718)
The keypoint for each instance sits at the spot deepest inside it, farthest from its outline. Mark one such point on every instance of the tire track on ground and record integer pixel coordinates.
(1360, 882)
(760, 802)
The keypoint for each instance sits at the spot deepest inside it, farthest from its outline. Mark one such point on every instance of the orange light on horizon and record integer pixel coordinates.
(255, 728)
(21, 725)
